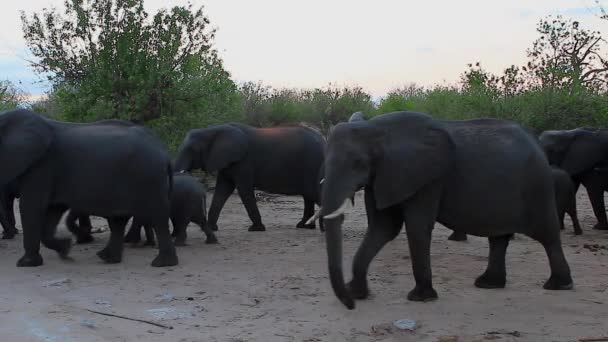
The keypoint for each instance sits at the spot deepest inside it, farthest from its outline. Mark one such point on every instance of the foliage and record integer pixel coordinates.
(109, 59)
(323, 107)
(567, 56)
(10, 95)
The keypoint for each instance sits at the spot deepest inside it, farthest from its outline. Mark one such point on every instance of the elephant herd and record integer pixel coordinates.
(485, 177)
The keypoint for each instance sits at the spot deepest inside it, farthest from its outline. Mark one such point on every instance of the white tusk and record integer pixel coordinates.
(338, 212)
(322, 180)
(182, 171)
(314, 217)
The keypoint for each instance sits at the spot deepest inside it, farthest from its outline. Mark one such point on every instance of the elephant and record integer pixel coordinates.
(111, 169)
(280, 160)
(565, 200)
(485, 177)
(583, 154)
(188, 204)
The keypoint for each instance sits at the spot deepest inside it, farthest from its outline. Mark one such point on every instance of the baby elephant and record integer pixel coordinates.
(565, 197)
(188, 204)
(565, 200)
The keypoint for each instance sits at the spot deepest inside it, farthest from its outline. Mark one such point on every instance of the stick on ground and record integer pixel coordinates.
(131, 319)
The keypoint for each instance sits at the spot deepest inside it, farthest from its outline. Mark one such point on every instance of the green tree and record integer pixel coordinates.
(10, 95)
(567, 56)
(109, 59)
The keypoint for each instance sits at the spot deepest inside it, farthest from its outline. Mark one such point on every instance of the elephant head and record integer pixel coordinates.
(24, 138)
(211, 149)
(577, 150)
(392, 156)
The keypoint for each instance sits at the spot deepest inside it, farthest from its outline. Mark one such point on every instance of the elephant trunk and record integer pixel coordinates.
(333, 236)
(338, 188)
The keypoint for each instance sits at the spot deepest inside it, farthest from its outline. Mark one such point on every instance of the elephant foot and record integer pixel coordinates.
(179, 242)
(559, 283)
(211, 240)
(600, 226)
(30, 260)
(490, 280)
(63, 248)
(457, 236)
(357, 291)
(578, 231)
(82, 240)
(419, 294)
(164, 260)
(302, 224)
(213, 227)
(257, 228)
(109, 257)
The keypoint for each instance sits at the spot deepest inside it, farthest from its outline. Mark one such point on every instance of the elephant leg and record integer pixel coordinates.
(309, 211)
(574, 217)
(81, 231)
(32, 220)
(596, 197)
(458, 236)
(84, 221)
(385, 225)
(166, 249)
(420, 215)
(247, 195)
(495, 275)
(150, 240)
(7, 216)
(223, 189)
(61, 246)
(201, 221)
(134, 234)
(112, 253)
(560, 278)
(179, 229)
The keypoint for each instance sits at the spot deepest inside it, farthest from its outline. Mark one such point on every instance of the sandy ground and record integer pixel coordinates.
(273, 286)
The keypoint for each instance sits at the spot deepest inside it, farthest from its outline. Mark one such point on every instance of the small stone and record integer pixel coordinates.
(405, 324)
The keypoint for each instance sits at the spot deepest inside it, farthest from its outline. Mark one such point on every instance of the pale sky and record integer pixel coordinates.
(379, 45)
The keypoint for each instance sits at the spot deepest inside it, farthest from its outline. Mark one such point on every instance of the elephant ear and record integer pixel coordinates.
(586, 150)
(228, 146)
(410, 162)
(24, 139)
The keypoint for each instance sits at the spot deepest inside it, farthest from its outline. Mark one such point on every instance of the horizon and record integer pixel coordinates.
(350, 43)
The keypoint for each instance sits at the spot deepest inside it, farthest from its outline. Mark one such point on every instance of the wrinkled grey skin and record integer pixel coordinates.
(583, 154)
(565, 199)
(478, 177)
(111, 169)
(280, 160)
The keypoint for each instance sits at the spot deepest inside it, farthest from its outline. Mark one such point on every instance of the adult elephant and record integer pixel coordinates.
(483, 177)
(280, 160)
(583, 153)
(111, 169)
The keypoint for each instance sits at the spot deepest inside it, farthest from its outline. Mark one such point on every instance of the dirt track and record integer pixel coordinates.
(273, 286)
